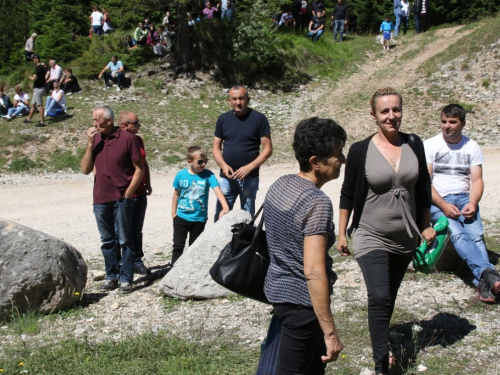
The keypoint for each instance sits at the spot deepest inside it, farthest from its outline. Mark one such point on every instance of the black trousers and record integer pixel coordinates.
(383, 273)
(302, 341)
(181, 230)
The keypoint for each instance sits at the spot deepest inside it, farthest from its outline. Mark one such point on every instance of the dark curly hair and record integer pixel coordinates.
(317, 137)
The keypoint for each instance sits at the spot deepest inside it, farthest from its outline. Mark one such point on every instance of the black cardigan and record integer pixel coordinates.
(355, 187)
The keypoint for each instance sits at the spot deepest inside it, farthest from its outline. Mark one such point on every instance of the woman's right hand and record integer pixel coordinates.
(342, 247)
(333, 348)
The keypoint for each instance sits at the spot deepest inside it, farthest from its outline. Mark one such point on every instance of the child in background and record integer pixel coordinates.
(386, 27)
(190, 200)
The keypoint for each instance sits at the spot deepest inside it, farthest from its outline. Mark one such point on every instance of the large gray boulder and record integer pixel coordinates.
(190, 277)
(37, 272)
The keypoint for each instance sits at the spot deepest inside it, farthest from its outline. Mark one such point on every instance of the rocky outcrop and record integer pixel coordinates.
(37, 271)
(190, 277)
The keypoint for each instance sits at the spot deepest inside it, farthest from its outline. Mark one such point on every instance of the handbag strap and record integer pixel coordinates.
(258, 230)
(256, 215)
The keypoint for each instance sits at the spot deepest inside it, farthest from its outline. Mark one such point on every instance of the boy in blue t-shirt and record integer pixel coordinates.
(190, 200)
(386, 27)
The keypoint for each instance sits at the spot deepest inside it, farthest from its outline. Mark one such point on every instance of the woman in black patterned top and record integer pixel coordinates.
(299, 231)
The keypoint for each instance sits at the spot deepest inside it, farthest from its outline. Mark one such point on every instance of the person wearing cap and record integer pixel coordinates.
(28, 48)
(38, 79)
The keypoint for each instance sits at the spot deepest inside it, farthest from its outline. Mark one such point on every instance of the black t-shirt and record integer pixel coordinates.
(315, 6)
(340, 12)
(317, 22)
(40, 77)
(241, 137)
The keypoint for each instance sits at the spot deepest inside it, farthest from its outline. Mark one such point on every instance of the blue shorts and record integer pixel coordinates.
(387, 35)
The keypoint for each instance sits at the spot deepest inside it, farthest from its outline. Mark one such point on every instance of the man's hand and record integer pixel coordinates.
(333, 348)
(99, 76)
(149, 189)
(91, 132)
(450, 210)
(469, 210)
(242, 172)
(227, 171)
(342, 247)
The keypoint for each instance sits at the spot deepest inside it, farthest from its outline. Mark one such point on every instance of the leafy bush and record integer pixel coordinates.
(21, 164)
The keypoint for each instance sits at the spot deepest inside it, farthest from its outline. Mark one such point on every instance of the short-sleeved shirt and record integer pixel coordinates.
(141, 189)
(193, 198)
(294, 208)
(451, 163)
(113, 160)
(241, 137)
(114, 66)
(96, 18)
(132, 42)
(55, 73)
(317, 22)
(22, 97)
(40, 77)
(209, 13)
(29, 44)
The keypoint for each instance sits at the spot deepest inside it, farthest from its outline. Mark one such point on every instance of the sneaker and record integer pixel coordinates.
(492, 278)
(7, 118)
(26, 121)
(484, 293)
(125, 287)
(118, 88)
(109, 285)
(69, 93)
(40, 125)
(78, 92)
(106, 88)
(142, 270)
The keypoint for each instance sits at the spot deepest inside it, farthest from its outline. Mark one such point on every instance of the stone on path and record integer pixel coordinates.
(190, 276)
(38, 272)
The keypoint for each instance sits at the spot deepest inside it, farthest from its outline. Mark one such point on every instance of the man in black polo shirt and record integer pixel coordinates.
(115, 157)
(38, 91)
(237, 139)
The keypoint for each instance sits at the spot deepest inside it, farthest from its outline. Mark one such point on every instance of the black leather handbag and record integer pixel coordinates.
(242, 264)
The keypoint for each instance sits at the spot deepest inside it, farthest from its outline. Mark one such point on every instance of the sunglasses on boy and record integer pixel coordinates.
(201, 161)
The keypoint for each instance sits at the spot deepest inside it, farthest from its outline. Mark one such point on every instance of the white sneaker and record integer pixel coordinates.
(118, 88)
(7, 117)
(106, 88)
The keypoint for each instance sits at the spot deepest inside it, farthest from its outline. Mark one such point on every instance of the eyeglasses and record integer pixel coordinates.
(135, 123)
(201, 162)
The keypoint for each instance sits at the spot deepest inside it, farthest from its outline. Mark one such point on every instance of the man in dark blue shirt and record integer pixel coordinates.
(339, 16)
(237, 139)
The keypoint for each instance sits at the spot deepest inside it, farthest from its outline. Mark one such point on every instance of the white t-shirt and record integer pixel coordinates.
(55, 73)
(405, 9)
(63, 97)
(96, 18)
(22, 97)
(451, 163)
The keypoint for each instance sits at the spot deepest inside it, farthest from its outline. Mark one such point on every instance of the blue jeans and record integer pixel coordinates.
(97, 29)
(466, 235)
(13, 112)
(109, 76)
(246, 189)
(119, 213)
(316, 35)
(140, 205)
(338, 28)
(398, 23)
(52, 104)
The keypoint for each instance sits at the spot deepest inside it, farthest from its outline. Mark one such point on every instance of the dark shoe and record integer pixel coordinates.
(125, 287)
(492, 278)
(142, 270)
(40, 125)
(26, 121)
(484, 293)
(109, 285)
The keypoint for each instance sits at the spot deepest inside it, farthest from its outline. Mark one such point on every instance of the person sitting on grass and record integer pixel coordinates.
(210, 12)
(317, 26)
(57, 100)
(276, 19)
(116, 75)
(190, 200)
(5, 103)
(131, 43)
(21, 103)
(69, 83)
(140, 35)
(287, 19)
(386, 27)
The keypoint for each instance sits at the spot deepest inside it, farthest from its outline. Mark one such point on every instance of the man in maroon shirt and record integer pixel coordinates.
(115, 157)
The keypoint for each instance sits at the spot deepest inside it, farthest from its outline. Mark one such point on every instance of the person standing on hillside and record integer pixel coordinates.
(115, 157)
(129, 122)
(96, 20)
(421, 10)
(29, 47)
(455, 165)
(316, 6)
(237, 139)
(339, 15)
(38, 90)
(397, 14)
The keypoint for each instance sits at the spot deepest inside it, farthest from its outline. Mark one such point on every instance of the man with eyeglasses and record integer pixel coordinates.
(115, 158)
(129, 122)
(238, 136)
